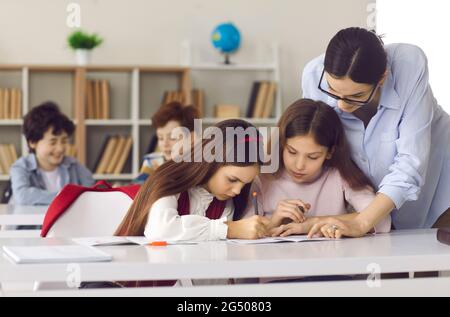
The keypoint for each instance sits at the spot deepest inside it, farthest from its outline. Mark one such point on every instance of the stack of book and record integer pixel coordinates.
(97, 99)
(114, 155)
(8, 156)
(262, 100)
(10, 104)
(174, 96)
(198, 99)
(227, 111)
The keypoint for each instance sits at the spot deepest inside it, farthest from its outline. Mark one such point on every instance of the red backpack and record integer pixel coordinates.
(83, 204)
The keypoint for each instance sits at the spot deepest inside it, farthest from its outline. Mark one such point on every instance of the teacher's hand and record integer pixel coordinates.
(334, 228)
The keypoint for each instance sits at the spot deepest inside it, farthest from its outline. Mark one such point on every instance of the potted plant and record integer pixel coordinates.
(83, 44)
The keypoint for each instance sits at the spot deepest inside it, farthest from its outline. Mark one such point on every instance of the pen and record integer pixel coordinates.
(255, 203)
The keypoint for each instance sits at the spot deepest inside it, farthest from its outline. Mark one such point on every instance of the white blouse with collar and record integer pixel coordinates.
(164, 223)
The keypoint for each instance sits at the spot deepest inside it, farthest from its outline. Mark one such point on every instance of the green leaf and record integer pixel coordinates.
(82, 40)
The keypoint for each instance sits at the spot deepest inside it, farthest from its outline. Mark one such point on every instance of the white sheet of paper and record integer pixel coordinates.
(303, 238)
(102, 241)
(116, 241)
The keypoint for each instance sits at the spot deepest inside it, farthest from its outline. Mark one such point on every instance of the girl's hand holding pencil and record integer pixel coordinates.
(292, 210)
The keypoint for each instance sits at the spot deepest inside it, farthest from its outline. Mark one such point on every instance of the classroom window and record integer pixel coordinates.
(426, 24)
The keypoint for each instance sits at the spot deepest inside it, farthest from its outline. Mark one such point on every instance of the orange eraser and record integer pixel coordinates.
(158, 244)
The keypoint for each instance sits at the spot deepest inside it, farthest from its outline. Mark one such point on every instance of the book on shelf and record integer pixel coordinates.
(71, 150)
(153, 144)
(124, 154)
(227, 111)
(174, 96)
(270, 101)
(114, 154)
(100, 162)
(90, 100)
(8, 156)
(10, 104)
(252, 101)
(97, 99)
(198, 99)
(7, 103)
(105, 155)
(105, 100)
(262, 100)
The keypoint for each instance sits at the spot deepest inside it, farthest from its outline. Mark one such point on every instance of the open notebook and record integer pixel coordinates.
(115, 241)
(56, 254)
(278, 240)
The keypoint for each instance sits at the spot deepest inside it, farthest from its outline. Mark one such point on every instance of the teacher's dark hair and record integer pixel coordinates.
(358, 54)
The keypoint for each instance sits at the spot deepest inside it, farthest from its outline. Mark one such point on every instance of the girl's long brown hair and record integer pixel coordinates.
(309, 117)
(174, 178)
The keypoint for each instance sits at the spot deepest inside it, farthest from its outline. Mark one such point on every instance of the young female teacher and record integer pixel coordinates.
(398, 134)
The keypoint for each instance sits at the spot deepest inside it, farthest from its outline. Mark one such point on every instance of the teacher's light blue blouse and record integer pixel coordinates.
(405, 149)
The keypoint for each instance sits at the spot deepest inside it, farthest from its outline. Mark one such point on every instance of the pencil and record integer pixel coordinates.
(255, 203)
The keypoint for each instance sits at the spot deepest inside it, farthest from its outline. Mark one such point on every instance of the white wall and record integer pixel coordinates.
(398, 20)
(150, 31)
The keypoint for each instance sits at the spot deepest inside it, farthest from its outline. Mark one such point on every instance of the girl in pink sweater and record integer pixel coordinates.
(317, 177)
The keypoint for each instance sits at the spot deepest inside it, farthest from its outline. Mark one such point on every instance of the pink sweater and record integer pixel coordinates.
(329, 195)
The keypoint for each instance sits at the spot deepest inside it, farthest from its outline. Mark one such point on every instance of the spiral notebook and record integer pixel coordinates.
(56, 254)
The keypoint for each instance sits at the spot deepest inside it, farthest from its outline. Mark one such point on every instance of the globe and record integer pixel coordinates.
(227, 39)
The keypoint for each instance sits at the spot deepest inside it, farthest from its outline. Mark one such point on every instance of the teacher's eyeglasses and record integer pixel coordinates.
(353, 102)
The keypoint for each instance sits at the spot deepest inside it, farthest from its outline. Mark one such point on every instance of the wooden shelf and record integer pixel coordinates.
(145, 122)
(222, 67)
(255, 121)
(76, 77)
(250, 120)
(99, 68)
(17, 122)
(111, 122)
(140, 88)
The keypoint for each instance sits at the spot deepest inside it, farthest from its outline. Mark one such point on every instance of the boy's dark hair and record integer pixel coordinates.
(44, 117)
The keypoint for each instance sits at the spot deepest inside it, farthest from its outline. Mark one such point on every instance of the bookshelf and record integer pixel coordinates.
(236, 84)
(135, 94)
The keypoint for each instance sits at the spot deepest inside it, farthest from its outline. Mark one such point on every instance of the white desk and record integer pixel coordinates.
(11, 215)
(423, 287)
(407, 251)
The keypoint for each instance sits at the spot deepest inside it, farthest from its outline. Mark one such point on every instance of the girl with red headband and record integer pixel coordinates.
(202, 200)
